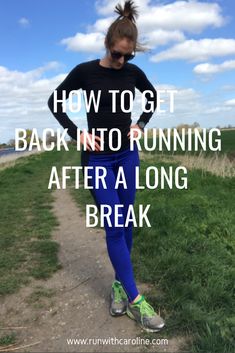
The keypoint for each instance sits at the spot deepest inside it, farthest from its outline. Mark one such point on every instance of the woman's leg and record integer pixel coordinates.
(129, 161)
(115, 236)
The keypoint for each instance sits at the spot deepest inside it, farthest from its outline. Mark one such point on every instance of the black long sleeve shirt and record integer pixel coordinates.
(92, 76)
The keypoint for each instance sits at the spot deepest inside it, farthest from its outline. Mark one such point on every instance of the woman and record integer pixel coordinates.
(113, 72)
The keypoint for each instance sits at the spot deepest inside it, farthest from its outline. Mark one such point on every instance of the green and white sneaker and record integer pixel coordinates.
(119, 300)
(144, 314)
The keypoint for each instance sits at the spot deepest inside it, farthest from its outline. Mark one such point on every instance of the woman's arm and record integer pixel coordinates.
(143, 84)
(72, 82)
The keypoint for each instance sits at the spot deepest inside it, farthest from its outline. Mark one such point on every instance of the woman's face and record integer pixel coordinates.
(123, 47)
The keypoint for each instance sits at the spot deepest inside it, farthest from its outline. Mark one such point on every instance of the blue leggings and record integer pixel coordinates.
(118, 239)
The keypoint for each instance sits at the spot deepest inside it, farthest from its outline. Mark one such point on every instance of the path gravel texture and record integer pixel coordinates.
(79, 307)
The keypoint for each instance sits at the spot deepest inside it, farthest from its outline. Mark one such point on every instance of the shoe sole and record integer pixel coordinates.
(131, 316)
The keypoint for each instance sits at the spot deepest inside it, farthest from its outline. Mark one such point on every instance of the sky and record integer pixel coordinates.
(191, 49)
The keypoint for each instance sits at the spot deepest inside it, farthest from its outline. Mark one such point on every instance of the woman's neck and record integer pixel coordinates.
(105, 62)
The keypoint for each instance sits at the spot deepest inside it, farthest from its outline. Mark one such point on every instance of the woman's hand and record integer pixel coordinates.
(134, 133)
(84, 141)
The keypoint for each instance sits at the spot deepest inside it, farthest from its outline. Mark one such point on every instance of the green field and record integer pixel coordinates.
(187, 254)
(227, 145)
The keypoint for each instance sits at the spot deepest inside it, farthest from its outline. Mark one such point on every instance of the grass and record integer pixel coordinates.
(27, 221)
(40, 297)
(187, 254)
(39, 293)
(227, 146)
(7, 340)
(220, 166)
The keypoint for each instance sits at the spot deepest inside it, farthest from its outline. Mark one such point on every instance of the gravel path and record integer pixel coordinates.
(79, 306)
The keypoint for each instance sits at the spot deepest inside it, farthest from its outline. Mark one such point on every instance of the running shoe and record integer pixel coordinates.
(144, 314)
(119, 300)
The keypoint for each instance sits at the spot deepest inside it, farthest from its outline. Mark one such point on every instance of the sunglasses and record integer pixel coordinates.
(117, 55)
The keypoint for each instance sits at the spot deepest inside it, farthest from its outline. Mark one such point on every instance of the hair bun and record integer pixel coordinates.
(129, 10)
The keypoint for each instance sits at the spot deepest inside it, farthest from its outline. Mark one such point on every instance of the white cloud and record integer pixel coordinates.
(188, 107)
(158, 24)
(162, 37)
(102, 24)
(230, 102)
(91, 42)
(151, 38)
(197, 50)
(24, 22)
(191, 106)
(23, 99)
(208, 69)
(8, 77)
(24, 96)
(217, 109)
(190, 16)
(228, 87)
(106, 7)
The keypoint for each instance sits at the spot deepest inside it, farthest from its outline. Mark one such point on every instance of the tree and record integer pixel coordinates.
(28, 138)
(11, 143)
(50, 138)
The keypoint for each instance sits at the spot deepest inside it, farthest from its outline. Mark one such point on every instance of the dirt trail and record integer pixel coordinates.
(79, 306)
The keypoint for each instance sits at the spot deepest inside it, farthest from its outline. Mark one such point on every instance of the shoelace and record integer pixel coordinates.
(146, 309)
(122, 292)
(118, 293)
